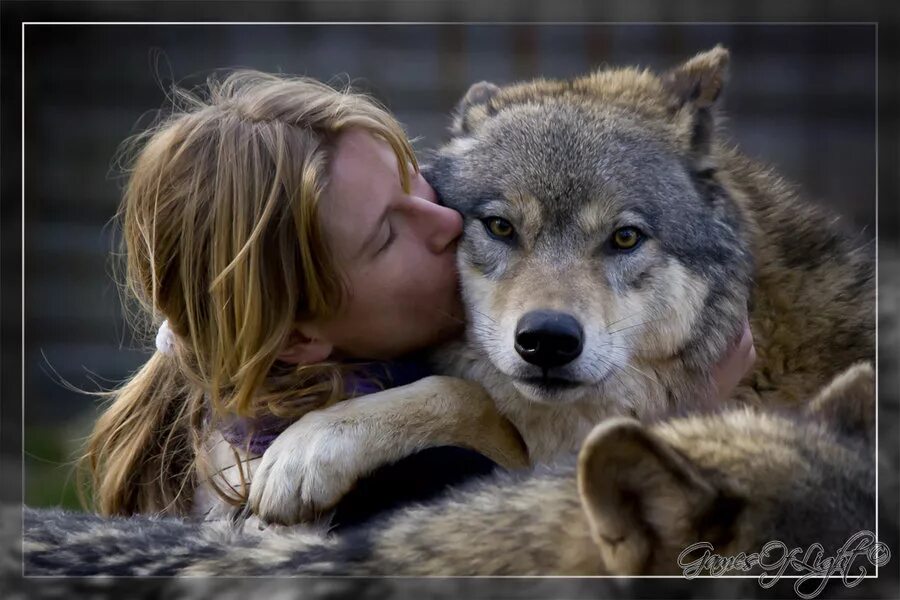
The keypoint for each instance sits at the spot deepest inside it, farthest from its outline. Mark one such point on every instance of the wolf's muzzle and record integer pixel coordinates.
(548, 338)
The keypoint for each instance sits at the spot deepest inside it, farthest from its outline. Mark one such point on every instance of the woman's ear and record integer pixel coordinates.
(302, 348)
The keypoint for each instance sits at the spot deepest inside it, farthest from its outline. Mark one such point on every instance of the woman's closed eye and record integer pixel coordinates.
(390, 240)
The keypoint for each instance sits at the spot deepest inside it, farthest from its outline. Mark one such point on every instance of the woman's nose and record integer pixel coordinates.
(440, 226)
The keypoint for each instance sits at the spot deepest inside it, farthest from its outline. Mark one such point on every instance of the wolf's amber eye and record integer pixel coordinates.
(626, 238)
(499, 228)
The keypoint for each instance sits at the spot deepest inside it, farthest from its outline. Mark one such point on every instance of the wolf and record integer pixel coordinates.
(614, 244)
(635, 498)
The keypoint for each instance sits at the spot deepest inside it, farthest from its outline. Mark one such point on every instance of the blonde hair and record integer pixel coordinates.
(221, 237)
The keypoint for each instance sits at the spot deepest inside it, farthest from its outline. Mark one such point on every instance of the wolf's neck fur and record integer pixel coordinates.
(813, 292)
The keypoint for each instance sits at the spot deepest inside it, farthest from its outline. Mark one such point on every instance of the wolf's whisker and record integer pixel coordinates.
(613, 371)
(616, 347)
(444, 313)
(653, 379)
(486, 316)
(608, 325)
(636, 325)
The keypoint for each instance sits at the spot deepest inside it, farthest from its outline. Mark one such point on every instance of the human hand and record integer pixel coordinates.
(733, 366)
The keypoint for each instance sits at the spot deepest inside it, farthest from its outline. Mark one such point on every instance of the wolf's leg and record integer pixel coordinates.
(318, 459)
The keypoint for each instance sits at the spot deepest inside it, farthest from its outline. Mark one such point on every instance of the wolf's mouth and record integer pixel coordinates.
(551, 383)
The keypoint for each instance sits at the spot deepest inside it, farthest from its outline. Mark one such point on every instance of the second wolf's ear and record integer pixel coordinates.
(694, 89)
(847, 403)
(640, 496)
(474, 107)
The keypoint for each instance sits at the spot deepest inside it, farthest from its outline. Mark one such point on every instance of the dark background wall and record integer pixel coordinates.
(801, 97)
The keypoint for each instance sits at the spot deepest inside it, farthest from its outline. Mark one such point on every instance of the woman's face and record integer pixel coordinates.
(396, 251)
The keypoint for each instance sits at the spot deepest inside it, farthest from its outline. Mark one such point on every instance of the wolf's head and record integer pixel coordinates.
(598, 233)
(735, 480)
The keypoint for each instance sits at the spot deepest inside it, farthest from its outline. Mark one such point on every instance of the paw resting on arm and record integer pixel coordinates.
(317, 460)
(307, 469)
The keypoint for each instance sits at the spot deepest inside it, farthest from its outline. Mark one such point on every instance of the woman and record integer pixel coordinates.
(283, 232)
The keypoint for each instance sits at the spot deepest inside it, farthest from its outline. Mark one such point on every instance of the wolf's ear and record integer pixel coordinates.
(473, 108)
(694, 88)
(847, 403)
(640, 495)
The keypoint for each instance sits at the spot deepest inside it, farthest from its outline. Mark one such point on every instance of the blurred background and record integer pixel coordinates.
(801, 98)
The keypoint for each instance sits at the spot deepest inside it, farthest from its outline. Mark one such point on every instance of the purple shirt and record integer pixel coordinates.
(262, 432)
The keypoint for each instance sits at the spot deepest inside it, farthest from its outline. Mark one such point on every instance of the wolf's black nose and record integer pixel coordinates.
(548, 338)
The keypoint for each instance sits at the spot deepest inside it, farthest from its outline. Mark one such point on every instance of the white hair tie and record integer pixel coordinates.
(165, 339)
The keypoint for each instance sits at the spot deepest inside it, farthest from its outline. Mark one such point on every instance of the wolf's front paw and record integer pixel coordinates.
(305, 472)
